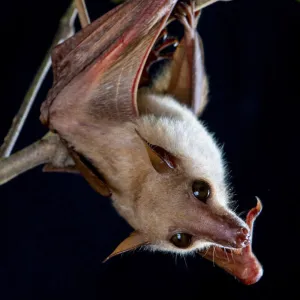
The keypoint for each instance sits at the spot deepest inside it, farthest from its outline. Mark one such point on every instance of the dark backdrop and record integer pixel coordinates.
(55, 230)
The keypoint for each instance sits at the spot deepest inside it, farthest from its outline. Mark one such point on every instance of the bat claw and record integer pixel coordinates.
(186, 15)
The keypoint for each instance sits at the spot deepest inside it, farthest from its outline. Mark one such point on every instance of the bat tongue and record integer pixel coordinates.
(241, 263)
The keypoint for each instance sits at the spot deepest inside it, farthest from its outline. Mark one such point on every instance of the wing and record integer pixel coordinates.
(108, 57)
(96, 76)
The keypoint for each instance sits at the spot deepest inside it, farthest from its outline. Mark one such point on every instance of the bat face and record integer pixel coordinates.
(187, 198)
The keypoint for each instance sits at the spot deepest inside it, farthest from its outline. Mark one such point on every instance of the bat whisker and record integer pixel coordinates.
(232, 256)
(206, 252)
(226, 254)
(185, 262)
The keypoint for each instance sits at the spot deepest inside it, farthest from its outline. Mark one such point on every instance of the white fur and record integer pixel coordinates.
(174, 127)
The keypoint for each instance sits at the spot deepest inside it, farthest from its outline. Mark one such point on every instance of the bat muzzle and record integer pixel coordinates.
(235, 237)
(225, 230)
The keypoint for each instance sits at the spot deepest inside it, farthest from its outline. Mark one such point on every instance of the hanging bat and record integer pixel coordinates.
(139, 141)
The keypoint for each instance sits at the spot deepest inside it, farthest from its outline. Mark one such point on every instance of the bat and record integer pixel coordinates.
(138, 139)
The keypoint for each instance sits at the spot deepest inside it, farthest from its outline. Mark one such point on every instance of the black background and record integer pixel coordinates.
(55, 230)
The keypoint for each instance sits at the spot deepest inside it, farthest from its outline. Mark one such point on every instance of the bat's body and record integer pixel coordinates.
(144, 146)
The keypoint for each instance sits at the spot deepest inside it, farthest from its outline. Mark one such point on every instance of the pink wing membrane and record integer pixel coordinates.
(96, 56)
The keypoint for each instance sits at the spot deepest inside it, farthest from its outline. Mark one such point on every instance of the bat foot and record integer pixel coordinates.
(186, 15)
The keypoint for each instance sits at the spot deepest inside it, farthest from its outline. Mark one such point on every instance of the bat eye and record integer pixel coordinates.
(201, 190)
(181, 240)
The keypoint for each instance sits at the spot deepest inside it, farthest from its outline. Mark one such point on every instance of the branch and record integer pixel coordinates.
(47, 150)
(66, 29)
(83, 13)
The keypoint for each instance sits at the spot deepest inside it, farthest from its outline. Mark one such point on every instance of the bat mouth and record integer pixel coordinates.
(240, 262)
(243, 265)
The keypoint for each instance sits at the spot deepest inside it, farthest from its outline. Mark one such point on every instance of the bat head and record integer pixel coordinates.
(182, 203)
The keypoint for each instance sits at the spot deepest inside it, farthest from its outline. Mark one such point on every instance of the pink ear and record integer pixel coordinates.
(134, 241)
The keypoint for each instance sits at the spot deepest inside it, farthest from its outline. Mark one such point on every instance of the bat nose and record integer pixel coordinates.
(228, 230)
(242, 238)
(234, 236)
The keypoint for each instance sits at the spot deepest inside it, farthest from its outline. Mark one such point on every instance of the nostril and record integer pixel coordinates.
(245, 230)
(242, 242)
(242, 237)
(242, 231)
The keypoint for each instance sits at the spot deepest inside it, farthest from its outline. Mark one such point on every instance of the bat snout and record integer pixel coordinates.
(226, 230)
(235, 237)
(238, 237)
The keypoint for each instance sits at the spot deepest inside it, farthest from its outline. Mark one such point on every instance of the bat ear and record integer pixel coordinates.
(134, 241)
(161, 160)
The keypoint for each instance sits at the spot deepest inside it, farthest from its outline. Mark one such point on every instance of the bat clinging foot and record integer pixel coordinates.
(188, 17)
(185, 13)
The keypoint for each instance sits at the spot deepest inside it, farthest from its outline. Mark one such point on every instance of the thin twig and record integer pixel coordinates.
(82, 13)
(66, 29)
(47, 150)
